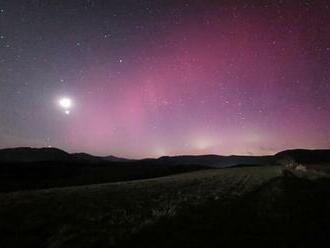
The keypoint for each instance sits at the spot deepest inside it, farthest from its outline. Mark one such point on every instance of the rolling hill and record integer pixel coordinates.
(27, 154)
(54, 199)
(106, 215)
(250, 206)
(31, 168)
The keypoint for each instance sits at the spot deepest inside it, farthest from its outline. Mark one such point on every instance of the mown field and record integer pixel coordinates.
(109, 215)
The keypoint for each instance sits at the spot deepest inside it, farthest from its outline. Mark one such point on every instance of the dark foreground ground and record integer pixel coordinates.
(285, 212)
(247, 206)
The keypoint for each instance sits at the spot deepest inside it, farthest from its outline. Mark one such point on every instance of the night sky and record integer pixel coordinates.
(151, 78)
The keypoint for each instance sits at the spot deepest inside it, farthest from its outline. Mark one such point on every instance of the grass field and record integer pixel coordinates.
(106, 215)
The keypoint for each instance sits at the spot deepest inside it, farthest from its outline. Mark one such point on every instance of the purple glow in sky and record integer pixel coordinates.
(153, 78)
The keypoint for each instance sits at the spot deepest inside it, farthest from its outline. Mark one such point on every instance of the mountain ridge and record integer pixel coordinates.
(29, 154)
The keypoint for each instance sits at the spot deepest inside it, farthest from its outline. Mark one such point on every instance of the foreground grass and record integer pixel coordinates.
(104, 215)
(286, 211)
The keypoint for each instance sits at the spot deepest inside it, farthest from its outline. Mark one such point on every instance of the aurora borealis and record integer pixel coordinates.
(153, 78)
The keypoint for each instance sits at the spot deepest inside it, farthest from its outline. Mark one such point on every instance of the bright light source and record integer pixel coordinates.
(65, 103)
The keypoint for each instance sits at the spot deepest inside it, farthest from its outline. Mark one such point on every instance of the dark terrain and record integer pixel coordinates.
(188, 201)
(29, 168)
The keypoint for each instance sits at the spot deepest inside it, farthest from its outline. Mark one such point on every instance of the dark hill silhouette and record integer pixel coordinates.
(90, 158)
(27, 154)
(85, 157)
(305, 156)
(117, 159)
(216, 160)
(299, 155)
(31, 168)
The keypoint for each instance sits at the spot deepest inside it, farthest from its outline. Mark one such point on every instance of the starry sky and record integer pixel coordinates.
(148, 78)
